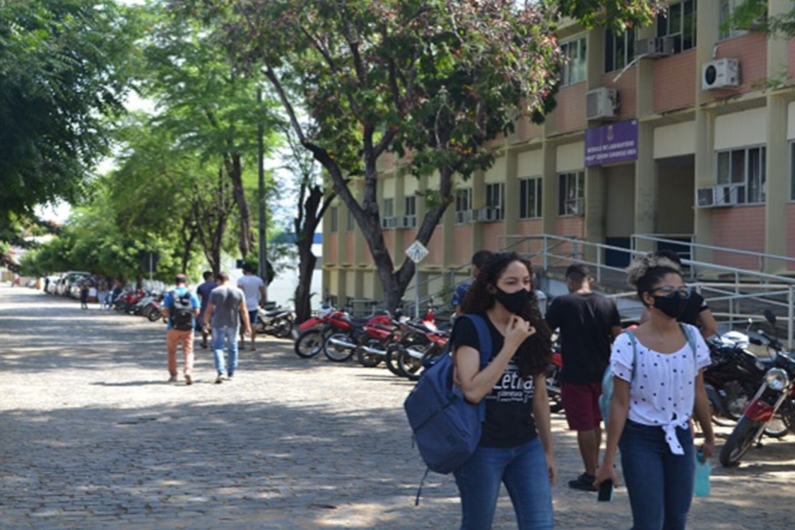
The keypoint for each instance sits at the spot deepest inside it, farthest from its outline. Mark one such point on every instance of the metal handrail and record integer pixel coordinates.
(655, 238)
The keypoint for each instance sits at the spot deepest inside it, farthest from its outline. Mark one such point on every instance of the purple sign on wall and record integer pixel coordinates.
(608, 144)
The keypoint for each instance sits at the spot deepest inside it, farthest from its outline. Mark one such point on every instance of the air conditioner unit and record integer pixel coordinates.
(655, 47)
(721, 73)
(463, 216)
(705, 197)
(601, 104)
(408, 221)
(389, 222)
(726, 194)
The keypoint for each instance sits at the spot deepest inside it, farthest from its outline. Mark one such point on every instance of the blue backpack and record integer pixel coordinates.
(446, 426)
(607, 378)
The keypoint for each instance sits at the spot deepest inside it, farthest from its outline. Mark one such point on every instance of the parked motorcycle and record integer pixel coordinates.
(775, 396)
(348, 334)
(277, 322)
(554, 382)
(313, 332)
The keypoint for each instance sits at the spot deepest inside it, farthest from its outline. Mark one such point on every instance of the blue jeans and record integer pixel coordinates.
(659, 483)
(523, 470)
(225, 336)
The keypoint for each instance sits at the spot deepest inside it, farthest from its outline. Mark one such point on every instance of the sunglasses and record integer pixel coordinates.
(673, 292)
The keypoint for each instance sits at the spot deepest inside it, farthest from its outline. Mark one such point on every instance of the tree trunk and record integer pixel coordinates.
(235, 171)
(303, 291)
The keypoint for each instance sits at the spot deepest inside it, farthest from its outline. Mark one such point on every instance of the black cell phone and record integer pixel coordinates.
(605, 491)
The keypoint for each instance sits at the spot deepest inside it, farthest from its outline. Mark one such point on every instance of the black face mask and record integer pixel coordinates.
(673, 305)
(513, 302)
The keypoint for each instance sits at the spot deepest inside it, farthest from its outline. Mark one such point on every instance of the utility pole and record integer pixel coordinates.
(263, 236)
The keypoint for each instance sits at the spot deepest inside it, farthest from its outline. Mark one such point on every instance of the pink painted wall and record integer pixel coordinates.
(492, 236)
(350, 255)
(462, 235)
(435, 248)
(570, 110)
(627, 88)
(333, 247)
(751, 50)
(675, 81)
(741, 227)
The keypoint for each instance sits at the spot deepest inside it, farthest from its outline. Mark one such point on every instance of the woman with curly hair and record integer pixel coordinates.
(657, 385)
(516, 445)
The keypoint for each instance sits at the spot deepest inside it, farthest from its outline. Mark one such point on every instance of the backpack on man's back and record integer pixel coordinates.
(181, 311)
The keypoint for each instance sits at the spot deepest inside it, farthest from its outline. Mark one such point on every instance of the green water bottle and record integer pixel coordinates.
(703, 468)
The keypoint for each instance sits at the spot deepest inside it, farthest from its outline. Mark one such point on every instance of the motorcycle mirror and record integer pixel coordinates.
(770, 316)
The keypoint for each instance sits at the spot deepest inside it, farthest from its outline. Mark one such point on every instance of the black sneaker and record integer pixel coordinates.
(584, 482)
(219, 379)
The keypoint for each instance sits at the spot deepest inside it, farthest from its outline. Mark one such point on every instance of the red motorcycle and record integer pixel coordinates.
(348, 333)
(379, 332)
(312, 332)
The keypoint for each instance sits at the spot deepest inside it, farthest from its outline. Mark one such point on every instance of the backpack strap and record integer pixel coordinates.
(634, 342)
(691, 341)
(485, 347)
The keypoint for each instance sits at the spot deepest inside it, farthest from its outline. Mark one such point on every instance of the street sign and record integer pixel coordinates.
(416, 252)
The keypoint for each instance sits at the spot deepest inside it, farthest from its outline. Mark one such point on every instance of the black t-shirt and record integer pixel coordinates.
(509, 406)
(584, 321)
(695, 305)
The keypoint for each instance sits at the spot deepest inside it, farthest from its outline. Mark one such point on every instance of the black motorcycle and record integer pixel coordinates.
(277, 322)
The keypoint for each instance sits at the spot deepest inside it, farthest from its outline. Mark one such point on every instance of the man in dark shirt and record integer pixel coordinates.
(479, 258)
(204, 291)
(588, 323)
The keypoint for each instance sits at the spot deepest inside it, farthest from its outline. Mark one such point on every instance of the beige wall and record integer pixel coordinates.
(570, 157)
(496, 173)
(620, 210)
(740, 129)
(791, 121)
(530, 164)
(675, 140)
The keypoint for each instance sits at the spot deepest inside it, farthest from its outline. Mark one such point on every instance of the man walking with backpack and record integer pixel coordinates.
(181, 307)
(588, 323)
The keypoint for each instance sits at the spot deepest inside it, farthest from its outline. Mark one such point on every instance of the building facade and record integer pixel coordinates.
(683, 129)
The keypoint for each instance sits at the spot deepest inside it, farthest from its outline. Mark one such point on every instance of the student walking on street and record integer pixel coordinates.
(204, 291)
(181, 307)
(225, 305)
(658, 384)
(588, 322)
(254, 290)
(515, 448)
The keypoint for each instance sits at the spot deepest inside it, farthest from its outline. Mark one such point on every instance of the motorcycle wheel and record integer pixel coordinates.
(338, 354)
(392, 353)
(370, 360)
(409, 367)
(283, 328)
(154, 315)
(739, 442)
(309, 343)
(776, 427)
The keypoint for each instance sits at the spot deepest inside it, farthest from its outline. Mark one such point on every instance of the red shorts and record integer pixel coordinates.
(581, 403)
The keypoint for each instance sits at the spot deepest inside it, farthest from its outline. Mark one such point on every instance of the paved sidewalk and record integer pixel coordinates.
(92, 436)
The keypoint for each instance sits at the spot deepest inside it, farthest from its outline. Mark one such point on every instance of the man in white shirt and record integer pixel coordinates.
(254, 291)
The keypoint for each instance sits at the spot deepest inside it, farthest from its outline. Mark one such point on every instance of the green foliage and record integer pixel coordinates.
(618, 15)
(64, 67)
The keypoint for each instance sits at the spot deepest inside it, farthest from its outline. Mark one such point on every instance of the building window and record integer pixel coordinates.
(495, 199)
(463, 205)
(727, 29)
(389, 208)
(679, 23)
(743, 170)
(333, 216)
(411, 206)
(571, 193)
(619, 49)
(349, 221)
(574, 66)
(530, 198)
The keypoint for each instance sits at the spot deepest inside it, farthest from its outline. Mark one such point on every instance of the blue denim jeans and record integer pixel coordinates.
(659, 483)
(523, 470)
(225, 336)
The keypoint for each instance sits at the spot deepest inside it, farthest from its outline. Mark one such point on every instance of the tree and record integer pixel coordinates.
(436, 79)
(64, 68)
(212, 107)
(313, 202)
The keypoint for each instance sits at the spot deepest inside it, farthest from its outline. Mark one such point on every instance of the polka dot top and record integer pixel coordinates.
(663, 389)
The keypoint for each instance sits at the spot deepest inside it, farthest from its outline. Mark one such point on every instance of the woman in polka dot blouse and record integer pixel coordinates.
(658, 386)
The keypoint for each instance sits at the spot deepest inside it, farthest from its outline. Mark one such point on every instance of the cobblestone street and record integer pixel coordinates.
(91, 435)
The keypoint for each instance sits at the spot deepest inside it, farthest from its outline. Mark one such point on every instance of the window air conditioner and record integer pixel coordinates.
(463, 216)
(726, 194)
(408, 221)
(601, 104)
(721, 73)
(654, 47)
(389, 222)
(705, 197)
